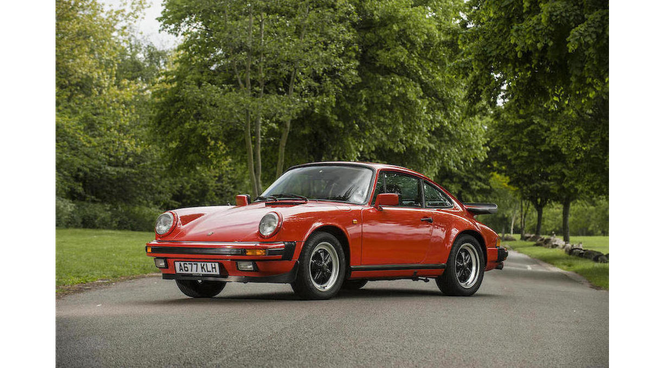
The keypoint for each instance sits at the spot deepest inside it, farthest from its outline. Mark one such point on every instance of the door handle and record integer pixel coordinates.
(427, 219)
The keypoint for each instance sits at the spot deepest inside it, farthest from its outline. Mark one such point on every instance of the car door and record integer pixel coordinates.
(399, 234)
(444, 214)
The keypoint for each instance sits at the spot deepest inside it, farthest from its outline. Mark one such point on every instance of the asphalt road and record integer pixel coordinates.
(526, 315)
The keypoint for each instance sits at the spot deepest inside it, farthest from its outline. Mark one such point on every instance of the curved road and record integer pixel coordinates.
(527, 315)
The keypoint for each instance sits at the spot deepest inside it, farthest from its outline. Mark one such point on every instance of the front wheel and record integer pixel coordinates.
(322, 267)
(199, 288)
(465, 268)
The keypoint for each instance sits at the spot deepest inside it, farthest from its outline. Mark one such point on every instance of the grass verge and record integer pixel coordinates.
(596, 273)
(86, 255)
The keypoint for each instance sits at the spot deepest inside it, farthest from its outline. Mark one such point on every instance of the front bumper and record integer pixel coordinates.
(274, 261)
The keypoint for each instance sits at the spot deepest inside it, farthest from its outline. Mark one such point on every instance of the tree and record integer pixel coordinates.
(100, 154)
(247, 65)
(548, 55)
(405, 105)
(103, 150)
(521, 152)
(356, 80)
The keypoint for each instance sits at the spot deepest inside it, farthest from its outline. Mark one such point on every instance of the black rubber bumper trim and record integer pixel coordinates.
(502, 254)
(286, 252)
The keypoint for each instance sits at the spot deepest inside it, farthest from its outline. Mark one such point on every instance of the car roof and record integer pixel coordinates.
(371, 165)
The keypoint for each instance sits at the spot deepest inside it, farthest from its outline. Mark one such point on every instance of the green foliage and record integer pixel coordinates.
(497, 100)
(548, 55)
(555, 51)
(247, 70)
(545, 63)
(587, 217)
(79, 214)
(405, 109)
(105, 162)
(374, 81)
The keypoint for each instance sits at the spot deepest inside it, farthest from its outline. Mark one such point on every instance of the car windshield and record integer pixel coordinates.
(332, 183)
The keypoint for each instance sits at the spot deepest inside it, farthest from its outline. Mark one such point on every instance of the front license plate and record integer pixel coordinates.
(197, 268)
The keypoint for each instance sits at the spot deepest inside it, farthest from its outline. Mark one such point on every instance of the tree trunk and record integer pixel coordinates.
(514, 214)
(259, 166)
(525, 205)
(282, 147)
(250, 156)
(540, 211)
(566, 206)
(287, 124)
(247, 128)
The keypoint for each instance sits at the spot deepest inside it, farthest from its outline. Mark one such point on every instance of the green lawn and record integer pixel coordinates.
(596, 273)
(86, 255)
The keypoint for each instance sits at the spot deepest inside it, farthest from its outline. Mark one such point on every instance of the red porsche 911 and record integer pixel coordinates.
(322, 227)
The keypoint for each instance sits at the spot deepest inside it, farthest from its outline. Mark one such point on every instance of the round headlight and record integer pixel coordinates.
(165, 223)
(269, 224)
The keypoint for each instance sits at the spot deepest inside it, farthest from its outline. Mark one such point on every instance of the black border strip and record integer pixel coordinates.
(502, 254)
(398, 267)
(205, 251)
(286, 252)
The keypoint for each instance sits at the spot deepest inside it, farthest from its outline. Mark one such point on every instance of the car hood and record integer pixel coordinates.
(240, 224)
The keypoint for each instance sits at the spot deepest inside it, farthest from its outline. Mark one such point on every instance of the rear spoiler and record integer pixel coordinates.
(481, 208)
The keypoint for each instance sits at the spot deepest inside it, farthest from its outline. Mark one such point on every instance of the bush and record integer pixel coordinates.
(95, 215)
(65, 211)
(79, 214)
(136, 218)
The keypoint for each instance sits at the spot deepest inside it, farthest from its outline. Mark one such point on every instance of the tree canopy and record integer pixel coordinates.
(358, 80)
(503, 100)
(545, 61)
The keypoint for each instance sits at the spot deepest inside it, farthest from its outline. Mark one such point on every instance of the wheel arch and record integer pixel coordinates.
(341, 235)
(478, 237)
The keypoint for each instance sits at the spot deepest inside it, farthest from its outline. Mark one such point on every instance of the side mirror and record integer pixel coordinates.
(242, 200)
(386, 199)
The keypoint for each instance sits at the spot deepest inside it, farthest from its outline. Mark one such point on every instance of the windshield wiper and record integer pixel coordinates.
(268, 198)
(290, 196)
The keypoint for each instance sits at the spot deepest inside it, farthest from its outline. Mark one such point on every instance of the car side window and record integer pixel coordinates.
(434, 197)
(407, 187)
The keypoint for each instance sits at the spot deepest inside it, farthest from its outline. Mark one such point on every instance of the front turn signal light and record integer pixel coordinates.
(256, 252)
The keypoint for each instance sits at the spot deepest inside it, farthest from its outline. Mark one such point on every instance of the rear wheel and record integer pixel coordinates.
(465, 268)
(199, 288)
(322, 267)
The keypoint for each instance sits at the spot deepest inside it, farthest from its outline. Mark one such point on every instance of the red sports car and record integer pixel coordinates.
(327, 226)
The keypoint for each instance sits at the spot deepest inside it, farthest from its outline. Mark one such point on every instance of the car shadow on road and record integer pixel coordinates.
(399, 293)
(373, 293)
(386, 293)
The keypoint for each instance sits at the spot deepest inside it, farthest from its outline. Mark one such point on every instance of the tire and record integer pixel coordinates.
(465, 268)
(200, 289)
(322, 268)
(353, 284)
